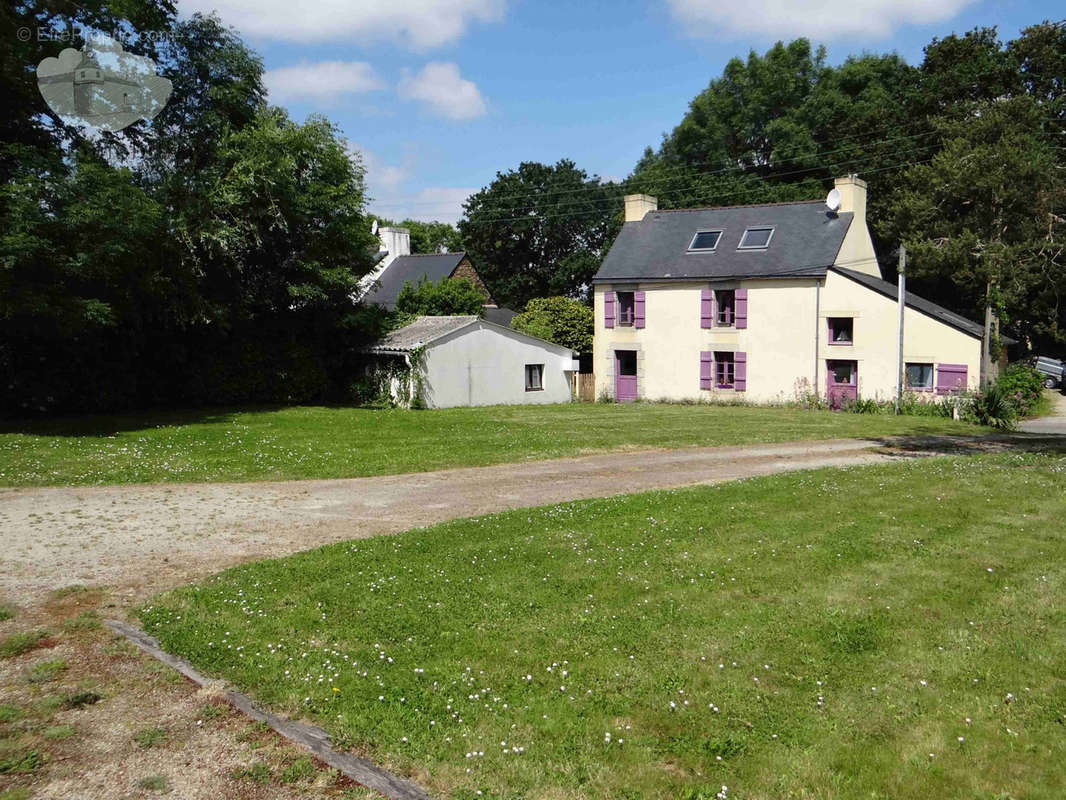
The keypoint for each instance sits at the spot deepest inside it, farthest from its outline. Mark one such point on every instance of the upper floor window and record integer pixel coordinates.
(705, 240)
(626, 308)
(756, 239)
(841, 330)
(726, 301)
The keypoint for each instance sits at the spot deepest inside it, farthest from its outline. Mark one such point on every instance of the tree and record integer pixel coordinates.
(540, 230)
(983, 218)
(562, 320)
(451, 296)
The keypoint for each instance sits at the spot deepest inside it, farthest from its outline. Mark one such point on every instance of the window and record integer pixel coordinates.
(726, 301)
(843, 372)
(534, 377)
(626, 306)
(725, 370)
(705, 240)
(841, 330)
(756, 239)
(919, 377)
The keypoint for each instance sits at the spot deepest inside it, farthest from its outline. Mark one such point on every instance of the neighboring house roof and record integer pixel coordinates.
(501, 316)
(805, 243)
(433, 267)
(927, 307)
(426, 330)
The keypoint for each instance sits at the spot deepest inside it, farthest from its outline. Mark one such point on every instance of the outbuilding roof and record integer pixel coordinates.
(927, 307)
(432, 267)
(805, 241)
(426, 330)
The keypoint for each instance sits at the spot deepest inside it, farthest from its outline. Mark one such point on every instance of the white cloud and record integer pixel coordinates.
(389, 187)
(321, 81)
(439, 86)
(421, 24)
(820, 19)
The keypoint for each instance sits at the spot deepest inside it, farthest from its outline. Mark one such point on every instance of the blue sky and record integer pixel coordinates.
(438, 95)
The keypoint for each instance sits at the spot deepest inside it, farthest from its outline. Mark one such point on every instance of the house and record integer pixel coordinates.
(399, 266)
(469, 361)
(762, 303)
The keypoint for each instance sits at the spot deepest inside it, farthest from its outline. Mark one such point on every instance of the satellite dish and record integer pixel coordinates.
(832, 200)
(374, 226)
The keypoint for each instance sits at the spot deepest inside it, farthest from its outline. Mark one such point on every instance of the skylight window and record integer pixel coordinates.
(756, 239)
(705, 240)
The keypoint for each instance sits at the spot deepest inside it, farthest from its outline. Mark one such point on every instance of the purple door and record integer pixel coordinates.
(842, 382)
(625, 375)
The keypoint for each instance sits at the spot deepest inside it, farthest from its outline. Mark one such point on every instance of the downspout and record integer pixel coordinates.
(817, 330)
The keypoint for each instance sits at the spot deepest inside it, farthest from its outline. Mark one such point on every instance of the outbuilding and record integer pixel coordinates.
(442, 362)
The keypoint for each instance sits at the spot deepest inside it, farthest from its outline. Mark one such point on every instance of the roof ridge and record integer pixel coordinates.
(427, 255)
(742, 205)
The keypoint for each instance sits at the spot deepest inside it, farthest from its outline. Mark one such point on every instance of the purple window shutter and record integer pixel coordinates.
(608, 309)
(706, 308)
(706, 369)
(950, 378)
(638, 309)
(740, 312)
(740, 375)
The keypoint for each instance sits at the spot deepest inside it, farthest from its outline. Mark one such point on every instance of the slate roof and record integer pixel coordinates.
(421, 332)
(433, 267)
(805, 243)
(939, 313)
(501, 316)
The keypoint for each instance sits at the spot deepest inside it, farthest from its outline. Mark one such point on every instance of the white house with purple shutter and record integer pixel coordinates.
(762, 302)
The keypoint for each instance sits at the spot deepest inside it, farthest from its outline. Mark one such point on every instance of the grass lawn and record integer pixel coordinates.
(316, 442)
(882, 632)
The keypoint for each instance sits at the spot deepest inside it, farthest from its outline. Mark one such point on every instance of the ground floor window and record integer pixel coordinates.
(919, 376)
(724, 370)
(534, 377)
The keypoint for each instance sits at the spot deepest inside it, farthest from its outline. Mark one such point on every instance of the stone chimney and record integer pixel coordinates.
(637, 205)
(857, 250)
(395, 242)
(852, 190)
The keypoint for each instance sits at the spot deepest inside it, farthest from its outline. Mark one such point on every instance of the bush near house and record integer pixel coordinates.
(561, 320)
(1024, 386)
(450, 296)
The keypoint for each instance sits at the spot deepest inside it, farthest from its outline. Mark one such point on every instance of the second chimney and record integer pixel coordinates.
(637, 205)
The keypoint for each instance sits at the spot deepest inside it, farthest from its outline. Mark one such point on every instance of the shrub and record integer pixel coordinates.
(561, 320)
(993, 406)
(452, 296)
(1023, 385)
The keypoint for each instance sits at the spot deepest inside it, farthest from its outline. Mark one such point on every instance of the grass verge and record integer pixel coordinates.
(883, 632)
(314, 442)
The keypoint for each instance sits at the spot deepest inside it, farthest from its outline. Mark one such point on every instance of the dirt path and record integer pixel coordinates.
(1054, 423)
(146, 727)
(141, 539)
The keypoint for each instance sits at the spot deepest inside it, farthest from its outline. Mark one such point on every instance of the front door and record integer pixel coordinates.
(843, 382)
(625, 375)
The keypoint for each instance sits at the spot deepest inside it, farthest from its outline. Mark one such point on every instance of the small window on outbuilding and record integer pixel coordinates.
(534, 377)
(841, 330)
(705, 240)
(756, 239)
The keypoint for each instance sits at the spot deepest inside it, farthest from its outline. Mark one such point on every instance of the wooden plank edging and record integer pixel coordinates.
(310, 737)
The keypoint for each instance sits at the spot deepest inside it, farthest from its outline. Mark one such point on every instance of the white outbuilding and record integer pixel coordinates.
(442, 362)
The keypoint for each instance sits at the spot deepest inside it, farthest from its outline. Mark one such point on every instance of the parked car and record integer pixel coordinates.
(1053, 370)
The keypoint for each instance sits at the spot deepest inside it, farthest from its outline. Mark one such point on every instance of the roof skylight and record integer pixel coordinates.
(756, 239)
(705, 240)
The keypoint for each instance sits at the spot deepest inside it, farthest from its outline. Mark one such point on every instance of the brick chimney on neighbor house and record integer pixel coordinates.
(637, 205)
(857, 249)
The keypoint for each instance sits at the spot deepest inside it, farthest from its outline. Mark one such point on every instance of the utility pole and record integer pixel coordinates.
(902, 270)
(986, 340)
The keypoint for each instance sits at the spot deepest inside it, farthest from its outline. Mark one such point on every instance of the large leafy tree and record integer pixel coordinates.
(540, 230)
(429, 237)
(562, 320)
